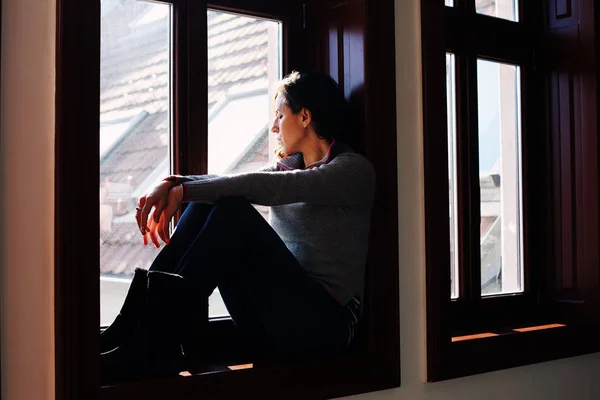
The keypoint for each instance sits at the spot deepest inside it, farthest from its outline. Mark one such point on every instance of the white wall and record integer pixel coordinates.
(26, 236)
(27, 198)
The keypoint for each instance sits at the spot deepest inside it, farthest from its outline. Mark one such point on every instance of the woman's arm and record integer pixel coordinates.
(178, 179)
(347, 179)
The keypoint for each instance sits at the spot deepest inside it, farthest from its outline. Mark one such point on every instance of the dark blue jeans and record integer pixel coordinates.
(268, 294)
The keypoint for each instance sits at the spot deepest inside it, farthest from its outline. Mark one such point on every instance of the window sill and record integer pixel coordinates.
(346, 375)
(230, 371)
(493, 350)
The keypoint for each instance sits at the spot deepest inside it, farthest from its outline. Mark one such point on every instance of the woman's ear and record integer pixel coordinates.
(305, 117)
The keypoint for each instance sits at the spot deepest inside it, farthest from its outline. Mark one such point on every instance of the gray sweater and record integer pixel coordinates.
(321, 212)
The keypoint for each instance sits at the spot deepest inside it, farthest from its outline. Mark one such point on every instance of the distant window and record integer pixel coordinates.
(111, 133)
(505, 9)
(238, 133)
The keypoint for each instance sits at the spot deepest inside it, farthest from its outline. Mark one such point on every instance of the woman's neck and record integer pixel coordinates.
(315, 152)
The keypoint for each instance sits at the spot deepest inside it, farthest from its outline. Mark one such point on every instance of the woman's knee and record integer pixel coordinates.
(198, 208)
(236, 205)
(194, 216)
(233, 213)
(234, 201)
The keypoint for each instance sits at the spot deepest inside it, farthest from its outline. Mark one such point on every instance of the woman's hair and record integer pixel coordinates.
(321, 95)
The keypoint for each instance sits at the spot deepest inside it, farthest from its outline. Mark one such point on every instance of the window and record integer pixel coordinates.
(483, 108)
(506, 9)
(136, 92)
(183, 143)
(505, 282)
(243, 65)
(453, 203)
(498, 94)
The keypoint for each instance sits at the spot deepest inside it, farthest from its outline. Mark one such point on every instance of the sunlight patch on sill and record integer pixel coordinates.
(539, 327)
(476, 336)
(241, 366)
(229, 368)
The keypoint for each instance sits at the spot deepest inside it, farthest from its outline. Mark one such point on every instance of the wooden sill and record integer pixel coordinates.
(493, 350)
(507, 331)
(351, 374)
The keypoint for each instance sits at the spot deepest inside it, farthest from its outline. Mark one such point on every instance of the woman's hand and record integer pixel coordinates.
(156, 198)
(161, 228)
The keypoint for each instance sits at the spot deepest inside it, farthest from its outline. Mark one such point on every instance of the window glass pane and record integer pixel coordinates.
(451, 115)
(500, 177)
(505, 9)
(243, 68)
(450, 3)
(135, 135)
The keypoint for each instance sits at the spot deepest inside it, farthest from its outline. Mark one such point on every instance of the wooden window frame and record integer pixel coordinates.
(373, 364)
(0, 310)
(472, 335)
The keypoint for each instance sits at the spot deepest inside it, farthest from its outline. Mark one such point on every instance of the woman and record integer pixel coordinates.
(293, 285)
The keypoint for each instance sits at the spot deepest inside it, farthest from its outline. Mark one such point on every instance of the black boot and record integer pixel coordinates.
(195, 342)
(131, 311)
(153, 350)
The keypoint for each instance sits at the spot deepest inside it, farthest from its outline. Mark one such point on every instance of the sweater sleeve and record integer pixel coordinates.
(346, 180)
(177, 179)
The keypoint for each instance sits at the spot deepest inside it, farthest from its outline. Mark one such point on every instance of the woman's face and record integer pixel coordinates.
(290, 128)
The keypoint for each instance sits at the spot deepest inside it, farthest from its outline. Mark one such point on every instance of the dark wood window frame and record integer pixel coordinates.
(472, 335)
(0, 313)
(373, 364)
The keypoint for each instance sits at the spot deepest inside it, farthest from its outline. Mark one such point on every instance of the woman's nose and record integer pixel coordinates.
(274, 127)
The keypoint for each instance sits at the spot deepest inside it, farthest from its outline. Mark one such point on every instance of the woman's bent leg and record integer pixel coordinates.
(266, 290)
(189, 226)
(285, 311)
